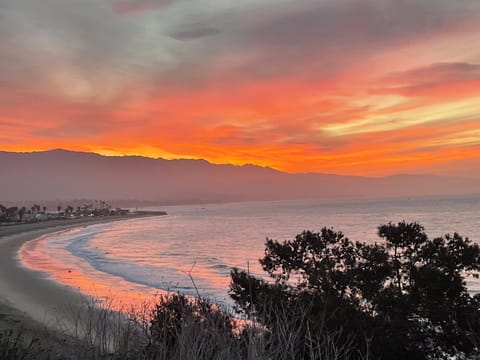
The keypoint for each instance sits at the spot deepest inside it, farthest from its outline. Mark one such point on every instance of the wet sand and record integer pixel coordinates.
(28, 300)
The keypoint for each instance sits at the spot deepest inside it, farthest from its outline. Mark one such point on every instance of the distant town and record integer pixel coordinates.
(10, 215)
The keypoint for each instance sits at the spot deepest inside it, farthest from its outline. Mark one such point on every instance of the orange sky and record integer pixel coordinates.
(375, 87)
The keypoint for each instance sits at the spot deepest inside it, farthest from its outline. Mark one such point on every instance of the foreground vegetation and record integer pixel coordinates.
(405, 297)
(179, 328)
(325, 297)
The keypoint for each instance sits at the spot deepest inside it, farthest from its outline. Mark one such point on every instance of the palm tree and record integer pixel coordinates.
(36, 208)
(12, 213)
(22, 212)
(3, 212)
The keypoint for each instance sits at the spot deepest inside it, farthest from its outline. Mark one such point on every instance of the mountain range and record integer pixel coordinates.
(64, 175)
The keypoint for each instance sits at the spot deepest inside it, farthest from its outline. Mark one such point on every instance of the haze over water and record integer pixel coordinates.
(141, 257)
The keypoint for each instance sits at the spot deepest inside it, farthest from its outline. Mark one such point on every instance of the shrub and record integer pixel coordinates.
(14, 346)
(404, 297)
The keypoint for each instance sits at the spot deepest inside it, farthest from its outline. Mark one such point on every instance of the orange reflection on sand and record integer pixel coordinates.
(109, 290)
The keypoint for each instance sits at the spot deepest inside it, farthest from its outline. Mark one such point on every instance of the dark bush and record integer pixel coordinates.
(14, 346)
(403, 298)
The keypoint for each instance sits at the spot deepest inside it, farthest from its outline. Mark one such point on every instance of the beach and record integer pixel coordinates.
(29, 301)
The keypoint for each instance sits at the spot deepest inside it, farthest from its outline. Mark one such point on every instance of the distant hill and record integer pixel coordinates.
(64, 175)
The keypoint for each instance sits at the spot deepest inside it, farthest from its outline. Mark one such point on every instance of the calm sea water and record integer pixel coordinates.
(144, 256)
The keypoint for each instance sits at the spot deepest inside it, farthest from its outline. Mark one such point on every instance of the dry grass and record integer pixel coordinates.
(179, 327)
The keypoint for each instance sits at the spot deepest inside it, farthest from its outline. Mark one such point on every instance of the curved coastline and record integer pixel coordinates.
(28, 299)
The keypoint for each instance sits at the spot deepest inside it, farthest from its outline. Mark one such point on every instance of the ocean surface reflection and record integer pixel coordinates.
(135, 259)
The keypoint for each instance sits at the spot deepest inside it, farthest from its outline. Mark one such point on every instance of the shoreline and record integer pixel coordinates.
(28, 300)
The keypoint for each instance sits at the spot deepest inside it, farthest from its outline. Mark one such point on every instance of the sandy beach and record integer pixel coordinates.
(28, 300)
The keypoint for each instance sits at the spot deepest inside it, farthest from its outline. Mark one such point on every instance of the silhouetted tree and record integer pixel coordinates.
(175, 314)
(35, 208)
(3, 212)
(407, 294)
(21, 212)
(12, 213)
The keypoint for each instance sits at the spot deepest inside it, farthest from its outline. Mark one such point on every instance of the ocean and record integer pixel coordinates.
(195, 246)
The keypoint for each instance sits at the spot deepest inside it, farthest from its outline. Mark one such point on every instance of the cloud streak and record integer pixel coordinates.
(133, 7)
(370, 87)
(195, 33)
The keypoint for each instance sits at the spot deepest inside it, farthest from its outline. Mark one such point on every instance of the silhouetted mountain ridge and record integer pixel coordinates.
(61, 174)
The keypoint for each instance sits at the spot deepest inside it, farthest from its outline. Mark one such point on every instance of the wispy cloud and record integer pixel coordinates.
(439, 81)
(132, 7)
(438, 72)
(360, 87)
(194, 33)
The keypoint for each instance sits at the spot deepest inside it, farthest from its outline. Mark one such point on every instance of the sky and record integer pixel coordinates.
(370, 87)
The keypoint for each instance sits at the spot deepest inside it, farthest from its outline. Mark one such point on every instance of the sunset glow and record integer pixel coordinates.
(373, 87)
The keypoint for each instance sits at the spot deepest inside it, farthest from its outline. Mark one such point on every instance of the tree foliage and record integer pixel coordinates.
(405, 296)
(177, 320)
